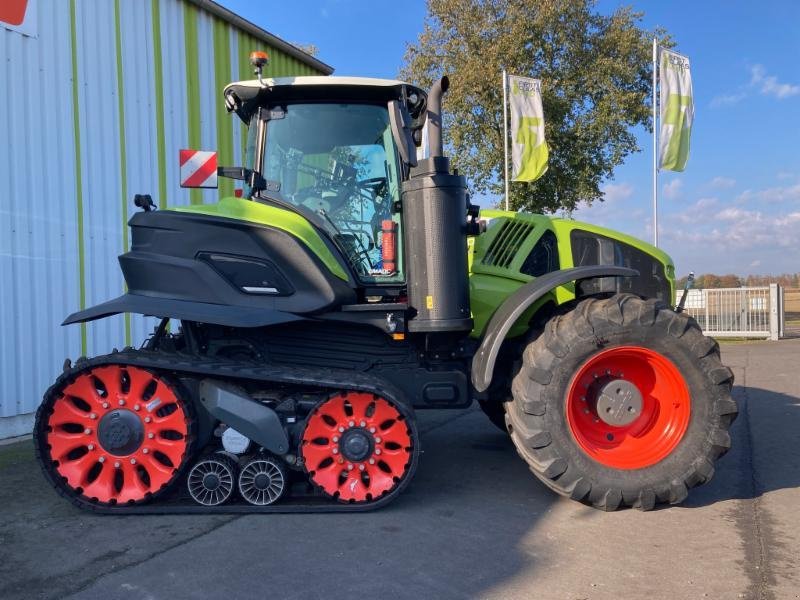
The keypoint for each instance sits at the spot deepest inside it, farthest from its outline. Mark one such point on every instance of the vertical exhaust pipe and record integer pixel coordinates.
(435, 116)
(434, 216)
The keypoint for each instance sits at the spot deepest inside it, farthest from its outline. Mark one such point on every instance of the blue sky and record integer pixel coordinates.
(736, 207)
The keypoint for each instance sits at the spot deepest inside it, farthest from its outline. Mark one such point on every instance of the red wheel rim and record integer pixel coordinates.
(371, 425)
(663, 417)
(117, 434)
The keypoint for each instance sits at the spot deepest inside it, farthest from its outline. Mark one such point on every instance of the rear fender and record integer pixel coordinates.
(517, 303)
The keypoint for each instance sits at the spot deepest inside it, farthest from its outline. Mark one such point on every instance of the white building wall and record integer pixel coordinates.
(47, 270)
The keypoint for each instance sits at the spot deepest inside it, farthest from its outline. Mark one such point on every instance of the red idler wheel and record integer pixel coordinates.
(357, 447)
(116, 434)
(628, 407)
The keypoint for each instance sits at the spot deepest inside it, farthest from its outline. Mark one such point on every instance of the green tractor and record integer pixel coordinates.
(303, 324)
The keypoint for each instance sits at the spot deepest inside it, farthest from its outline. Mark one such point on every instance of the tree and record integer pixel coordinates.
(596, 82)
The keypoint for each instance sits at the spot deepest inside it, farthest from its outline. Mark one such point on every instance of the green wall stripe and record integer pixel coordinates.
(158, 76)
(222, 76)
(76, 126)
(123, 160)
(190, 17)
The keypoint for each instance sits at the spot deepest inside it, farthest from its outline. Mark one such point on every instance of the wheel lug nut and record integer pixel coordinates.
(121, 402)
(335, 451)
(93, 416)
(372, 461)
(87, 431)
(147, 419)
(341, 429)
(377, 450)
(363, 424)
(145, 451)
(91, 446)
(377, 440)
(352, 423)
(151, 435)
(372, 430)
(105, 404)
(349, 467)
(341, 460)
(116, 465)
(336, 438)
(361, 467)
(133, 461)
(136, 407)
(102, 459)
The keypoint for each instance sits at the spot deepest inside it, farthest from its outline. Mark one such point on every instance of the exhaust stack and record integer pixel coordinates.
(435, 218)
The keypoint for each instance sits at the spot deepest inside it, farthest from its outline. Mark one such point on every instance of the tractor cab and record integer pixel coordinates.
(336, 150)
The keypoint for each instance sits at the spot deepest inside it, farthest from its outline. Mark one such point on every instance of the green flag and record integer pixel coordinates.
(529, 151)
(677, 111)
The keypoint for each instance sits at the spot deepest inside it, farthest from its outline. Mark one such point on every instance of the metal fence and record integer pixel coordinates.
(748, 312)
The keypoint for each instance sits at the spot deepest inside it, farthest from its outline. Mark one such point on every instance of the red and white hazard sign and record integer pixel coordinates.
(198, 169)
(19, 16)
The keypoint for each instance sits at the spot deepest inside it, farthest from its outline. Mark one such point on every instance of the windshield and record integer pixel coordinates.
(337, 161)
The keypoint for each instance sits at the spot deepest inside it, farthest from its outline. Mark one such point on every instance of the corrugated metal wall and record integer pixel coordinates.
(94, 109)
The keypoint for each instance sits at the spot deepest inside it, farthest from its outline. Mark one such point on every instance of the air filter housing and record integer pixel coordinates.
(434, 217)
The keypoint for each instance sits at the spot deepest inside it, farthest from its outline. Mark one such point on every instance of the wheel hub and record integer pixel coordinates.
(356, 444)
(357, 447)
(628, 407)
(211, 481)
(116, 434)
(120, 432)
(619, 403)
(262, 481)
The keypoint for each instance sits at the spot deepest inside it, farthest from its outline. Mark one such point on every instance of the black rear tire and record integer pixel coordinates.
(537, 417)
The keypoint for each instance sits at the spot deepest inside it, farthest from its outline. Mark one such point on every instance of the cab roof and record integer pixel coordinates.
(243, 97)
(316, 80)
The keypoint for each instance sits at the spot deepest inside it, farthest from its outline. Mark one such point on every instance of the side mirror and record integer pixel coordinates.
(198, 169)
(400, 122)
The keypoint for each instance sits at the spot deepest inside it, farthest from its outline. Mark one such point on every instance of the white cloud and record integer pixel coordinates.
(727, 99)
(613, 192)
(733, 213)
(789, 193)
(769, 84)
(722, 183)
(672, 190)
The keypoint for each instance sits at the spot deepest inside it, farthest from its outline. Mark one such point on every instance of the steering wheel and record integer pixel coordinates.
(373, 184)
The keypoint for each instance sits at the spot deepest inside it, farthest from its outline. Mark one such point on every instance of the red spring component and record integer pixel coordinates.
(661, 423)
(356, 447)
(117, 434)
(389, 245)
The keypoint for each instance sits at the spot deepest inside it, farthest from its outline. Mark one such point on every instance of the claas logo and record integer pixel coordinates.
(13, 11)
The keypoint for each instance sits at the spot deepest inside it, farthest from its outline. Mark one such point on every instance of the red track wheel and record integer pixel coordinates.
(114, 434)
(357, 447)
(628, 407)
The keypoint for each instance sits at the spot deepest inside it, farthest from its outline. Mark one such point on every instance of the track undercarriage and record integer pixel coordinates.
(129, 432)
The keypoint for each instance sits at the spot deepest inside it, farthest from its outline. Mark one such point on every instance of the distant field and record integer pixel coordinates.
(792, 304)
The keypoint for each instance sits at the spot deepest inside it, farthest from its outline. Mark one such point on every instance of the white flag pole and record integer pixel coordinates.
(505, 131)
(655, 146)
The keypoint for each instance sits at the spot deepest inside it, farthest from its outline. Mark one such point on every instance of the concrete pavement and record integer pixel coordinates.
(473, 524)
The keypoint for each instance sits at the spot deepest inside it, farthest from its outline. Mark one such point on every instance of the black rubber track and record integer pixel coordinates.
(173, 499)
(537, 419)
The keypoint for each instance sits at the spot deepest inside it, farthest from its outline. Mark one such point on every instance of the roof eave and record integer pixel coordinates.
(265, 36)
